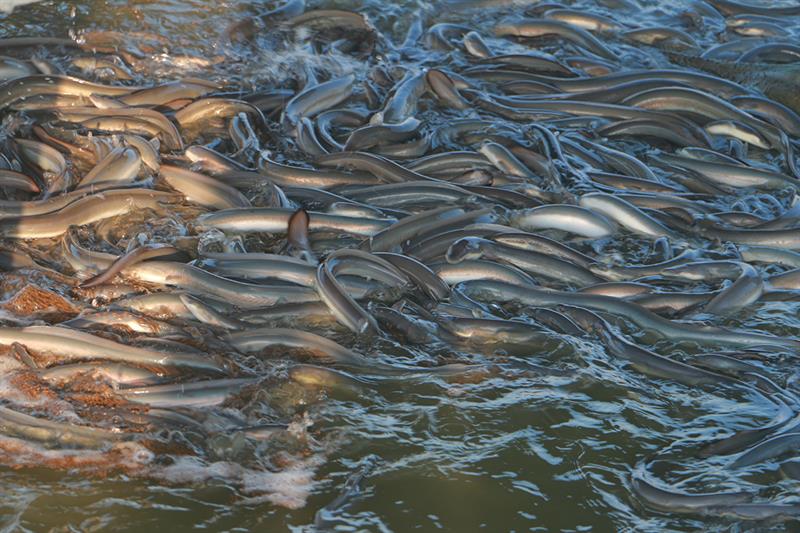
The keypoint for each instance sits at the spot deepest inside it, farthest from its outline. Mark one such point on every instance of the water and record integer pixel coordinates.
(509, 448)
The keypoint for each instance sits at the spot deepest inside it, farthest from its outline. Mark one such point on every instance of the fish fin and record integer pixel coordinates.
(297, 235)
(19, 351)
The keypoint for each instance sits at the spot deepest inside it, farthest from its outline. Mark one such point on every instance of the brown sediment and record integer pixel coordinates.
(160, 313)
(32, 386)
(119, 458)
(305, 355)
(13, 281)
(130, 418)
(99, 398)
(45, 304)
(45, 360)
(92, 392)
(105, 293)
(84, 395)
(161, 448)
(115, 329)
(85, 382)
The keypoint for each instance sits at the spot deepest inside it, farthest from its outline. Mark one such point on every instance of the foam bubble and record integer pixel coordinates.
(289, 487)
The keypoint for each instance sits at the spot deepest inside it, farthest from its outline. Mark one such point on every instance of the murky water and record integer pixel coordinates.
(547, 441)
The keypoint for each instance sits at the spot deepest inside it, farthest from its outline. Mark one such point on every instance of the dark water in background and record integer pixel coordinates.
(506, 451)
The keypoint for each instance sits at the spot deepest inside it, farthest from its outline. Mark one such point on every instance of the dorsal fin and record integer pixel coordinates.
(297, 235)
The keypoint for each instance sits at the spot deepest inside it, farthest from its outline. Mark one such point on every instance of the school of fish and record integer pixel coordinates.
(187, 264)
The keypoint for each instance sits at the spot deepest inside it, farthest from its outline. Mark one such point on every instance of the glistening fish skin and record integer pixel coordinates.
(625, 214)
(86, 210)
(313, 100)
(202, 283)
(569, 218)
(502, 292)
(66, 345)
(682, 502)
(276, 220)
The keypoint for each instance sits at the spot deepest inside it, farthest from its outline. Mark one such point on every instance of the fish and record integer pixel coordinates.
(682, 502)
(68, 345)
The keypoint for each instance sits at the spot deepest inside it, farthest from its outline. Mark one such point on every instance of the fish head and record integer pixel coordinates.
(464, 249)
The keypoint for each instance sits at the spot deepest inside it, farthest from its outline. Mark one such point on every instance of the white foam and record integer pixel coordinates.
(299, 428)
(289, 488)
(31, 454)
(9, 369)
